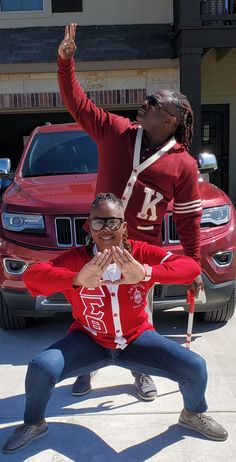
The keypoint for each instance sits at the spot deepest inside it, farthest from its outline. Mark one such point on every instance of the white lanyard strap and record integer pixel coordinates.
(138, 168)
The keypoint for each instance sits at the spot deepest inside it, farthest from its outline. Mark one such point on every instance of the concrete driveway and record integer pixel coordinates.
(110, 424)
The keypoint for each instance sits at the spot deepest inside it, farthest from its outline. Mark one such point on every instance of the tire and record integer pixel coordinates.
(221, 315)
(9, 321)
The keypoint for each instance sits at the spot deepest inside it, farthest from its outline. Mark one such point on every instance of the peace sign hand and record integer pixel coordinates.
(131, 269)
(67, 47)
(91, 273)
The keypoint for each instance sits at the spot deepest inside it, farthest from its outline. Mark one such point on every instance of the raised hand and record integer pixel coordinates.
(132, 271)
(67, 47)
(91, 273)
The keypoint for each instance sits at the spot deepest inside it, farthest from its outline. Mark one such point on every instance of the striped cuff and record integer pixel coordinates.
(187, 207)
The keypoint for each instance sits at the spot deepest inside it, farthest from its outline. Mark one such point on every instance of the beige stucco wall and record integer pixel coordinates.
(218, 87)
(151, 79)
(97, 12)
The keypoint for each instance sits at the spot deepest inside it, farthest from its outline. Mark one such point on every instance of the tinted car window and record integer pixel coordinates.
(58, 153)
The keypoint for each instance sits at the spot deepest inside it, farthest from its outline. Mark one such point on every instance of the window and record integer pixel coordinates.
(21, 5)
(25, 9)
(37, 8)
(66, 6)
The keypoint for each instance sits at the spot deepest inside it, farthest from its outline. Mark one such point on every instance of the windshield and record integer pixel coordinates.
(59, 153)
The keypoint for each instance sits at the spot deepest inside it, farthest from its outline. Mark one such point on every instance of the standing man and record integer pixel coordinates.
(145, 163)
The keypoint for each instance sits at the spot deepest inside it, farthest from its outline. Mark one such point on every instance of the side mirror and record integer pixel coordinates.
(5, 165)
(6, 176)
(207, 162)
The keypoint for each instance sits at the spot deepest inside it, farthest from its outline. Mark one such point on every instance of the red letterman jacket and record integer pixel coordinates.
(146, 188)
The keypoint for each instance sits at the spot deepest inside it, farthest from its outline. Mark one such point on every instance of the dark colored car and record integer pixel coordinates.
(44, 206)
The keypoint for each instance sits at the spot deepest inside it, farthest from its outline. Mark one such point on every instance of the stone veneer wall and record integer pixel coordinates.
(105, 88)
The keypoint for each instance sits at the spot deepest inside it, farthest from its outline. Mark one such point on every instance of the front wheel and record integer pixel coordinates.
(9, 321)
(222, 314)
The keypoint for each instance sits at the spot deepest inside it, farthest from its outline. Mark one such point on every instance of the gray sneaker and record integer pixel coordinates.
(203, 424)
(82, 385)
(146, 387)
(23, 435)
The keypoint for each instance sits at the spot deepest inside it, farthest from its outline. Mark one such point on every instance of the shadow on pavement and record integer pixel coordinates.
(62, 402)
(22, 345)
(78, 443)
(174, 323)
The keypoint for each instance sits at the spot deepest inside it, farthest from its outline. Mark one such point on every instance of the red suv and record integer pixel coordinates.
(45, 204)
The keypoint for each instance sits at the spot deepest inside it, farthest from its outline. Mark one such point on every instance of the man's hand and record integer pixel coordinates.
(132, 271)
(91, 273)
(197, 286)
(67, 47)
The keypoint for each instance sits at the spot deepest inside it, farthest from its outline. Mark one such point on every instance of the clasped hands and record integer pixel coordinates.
(91, 274)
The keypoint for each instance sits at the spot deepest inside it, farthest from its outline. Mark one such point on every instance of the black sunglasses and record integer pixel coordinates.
(97, 223)
(152, 99)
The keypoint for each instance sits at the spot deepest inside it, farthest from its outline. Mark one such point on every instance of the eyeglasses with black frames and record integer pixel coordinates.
(152, 99)
(112, 223)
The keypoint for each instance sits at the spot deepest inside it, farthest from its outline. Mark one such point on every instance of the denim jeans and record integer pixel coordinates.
(150, 353)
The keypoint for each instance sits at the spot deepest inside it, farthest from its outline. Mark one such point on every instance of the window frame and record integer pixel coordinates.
(44, 13)
(69, 6)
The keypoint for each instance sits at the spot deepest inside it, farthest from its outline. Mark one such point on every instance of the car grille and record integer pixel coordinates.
(169, 232)
(70, 232)
(169, 292)
(172, 235)
(58, 298)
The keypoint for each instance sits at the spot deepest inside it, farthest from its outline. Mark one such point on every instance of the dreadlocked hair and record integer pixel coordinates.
(108, 197)
(184, 131)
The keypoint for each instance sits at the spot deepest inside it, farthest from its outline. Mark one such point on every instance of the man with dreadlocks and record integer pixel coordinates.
(106, 283)
(147, 164)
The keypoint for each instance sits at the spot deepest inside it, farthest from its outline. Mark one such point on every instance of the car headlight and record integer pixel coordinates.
(20, 222)
(216, 215)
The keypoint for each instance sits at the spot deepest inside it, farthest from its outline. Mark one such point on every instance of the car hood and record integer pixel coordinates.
(211, 195)
(73, 194)
(70, 194)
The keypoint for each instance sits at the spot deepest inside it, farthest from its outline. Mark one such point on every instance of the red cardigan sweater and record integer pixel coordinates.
(112, 315)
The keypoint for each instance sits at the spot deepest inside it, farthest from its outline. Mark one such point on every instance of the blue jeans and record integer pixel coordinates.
(150, 353)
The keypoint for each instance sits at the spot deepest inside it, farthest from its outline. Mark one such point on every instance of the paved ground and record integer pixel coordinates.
(111, 424)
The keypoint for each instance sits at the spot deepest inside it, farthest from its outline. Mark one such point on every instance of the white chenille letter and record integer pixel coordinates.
(150, 204)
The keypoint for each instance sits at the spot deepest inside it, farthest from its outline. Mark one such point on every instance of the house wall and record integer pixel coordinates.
(218, 87)
(17, 91)
(96, 12)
